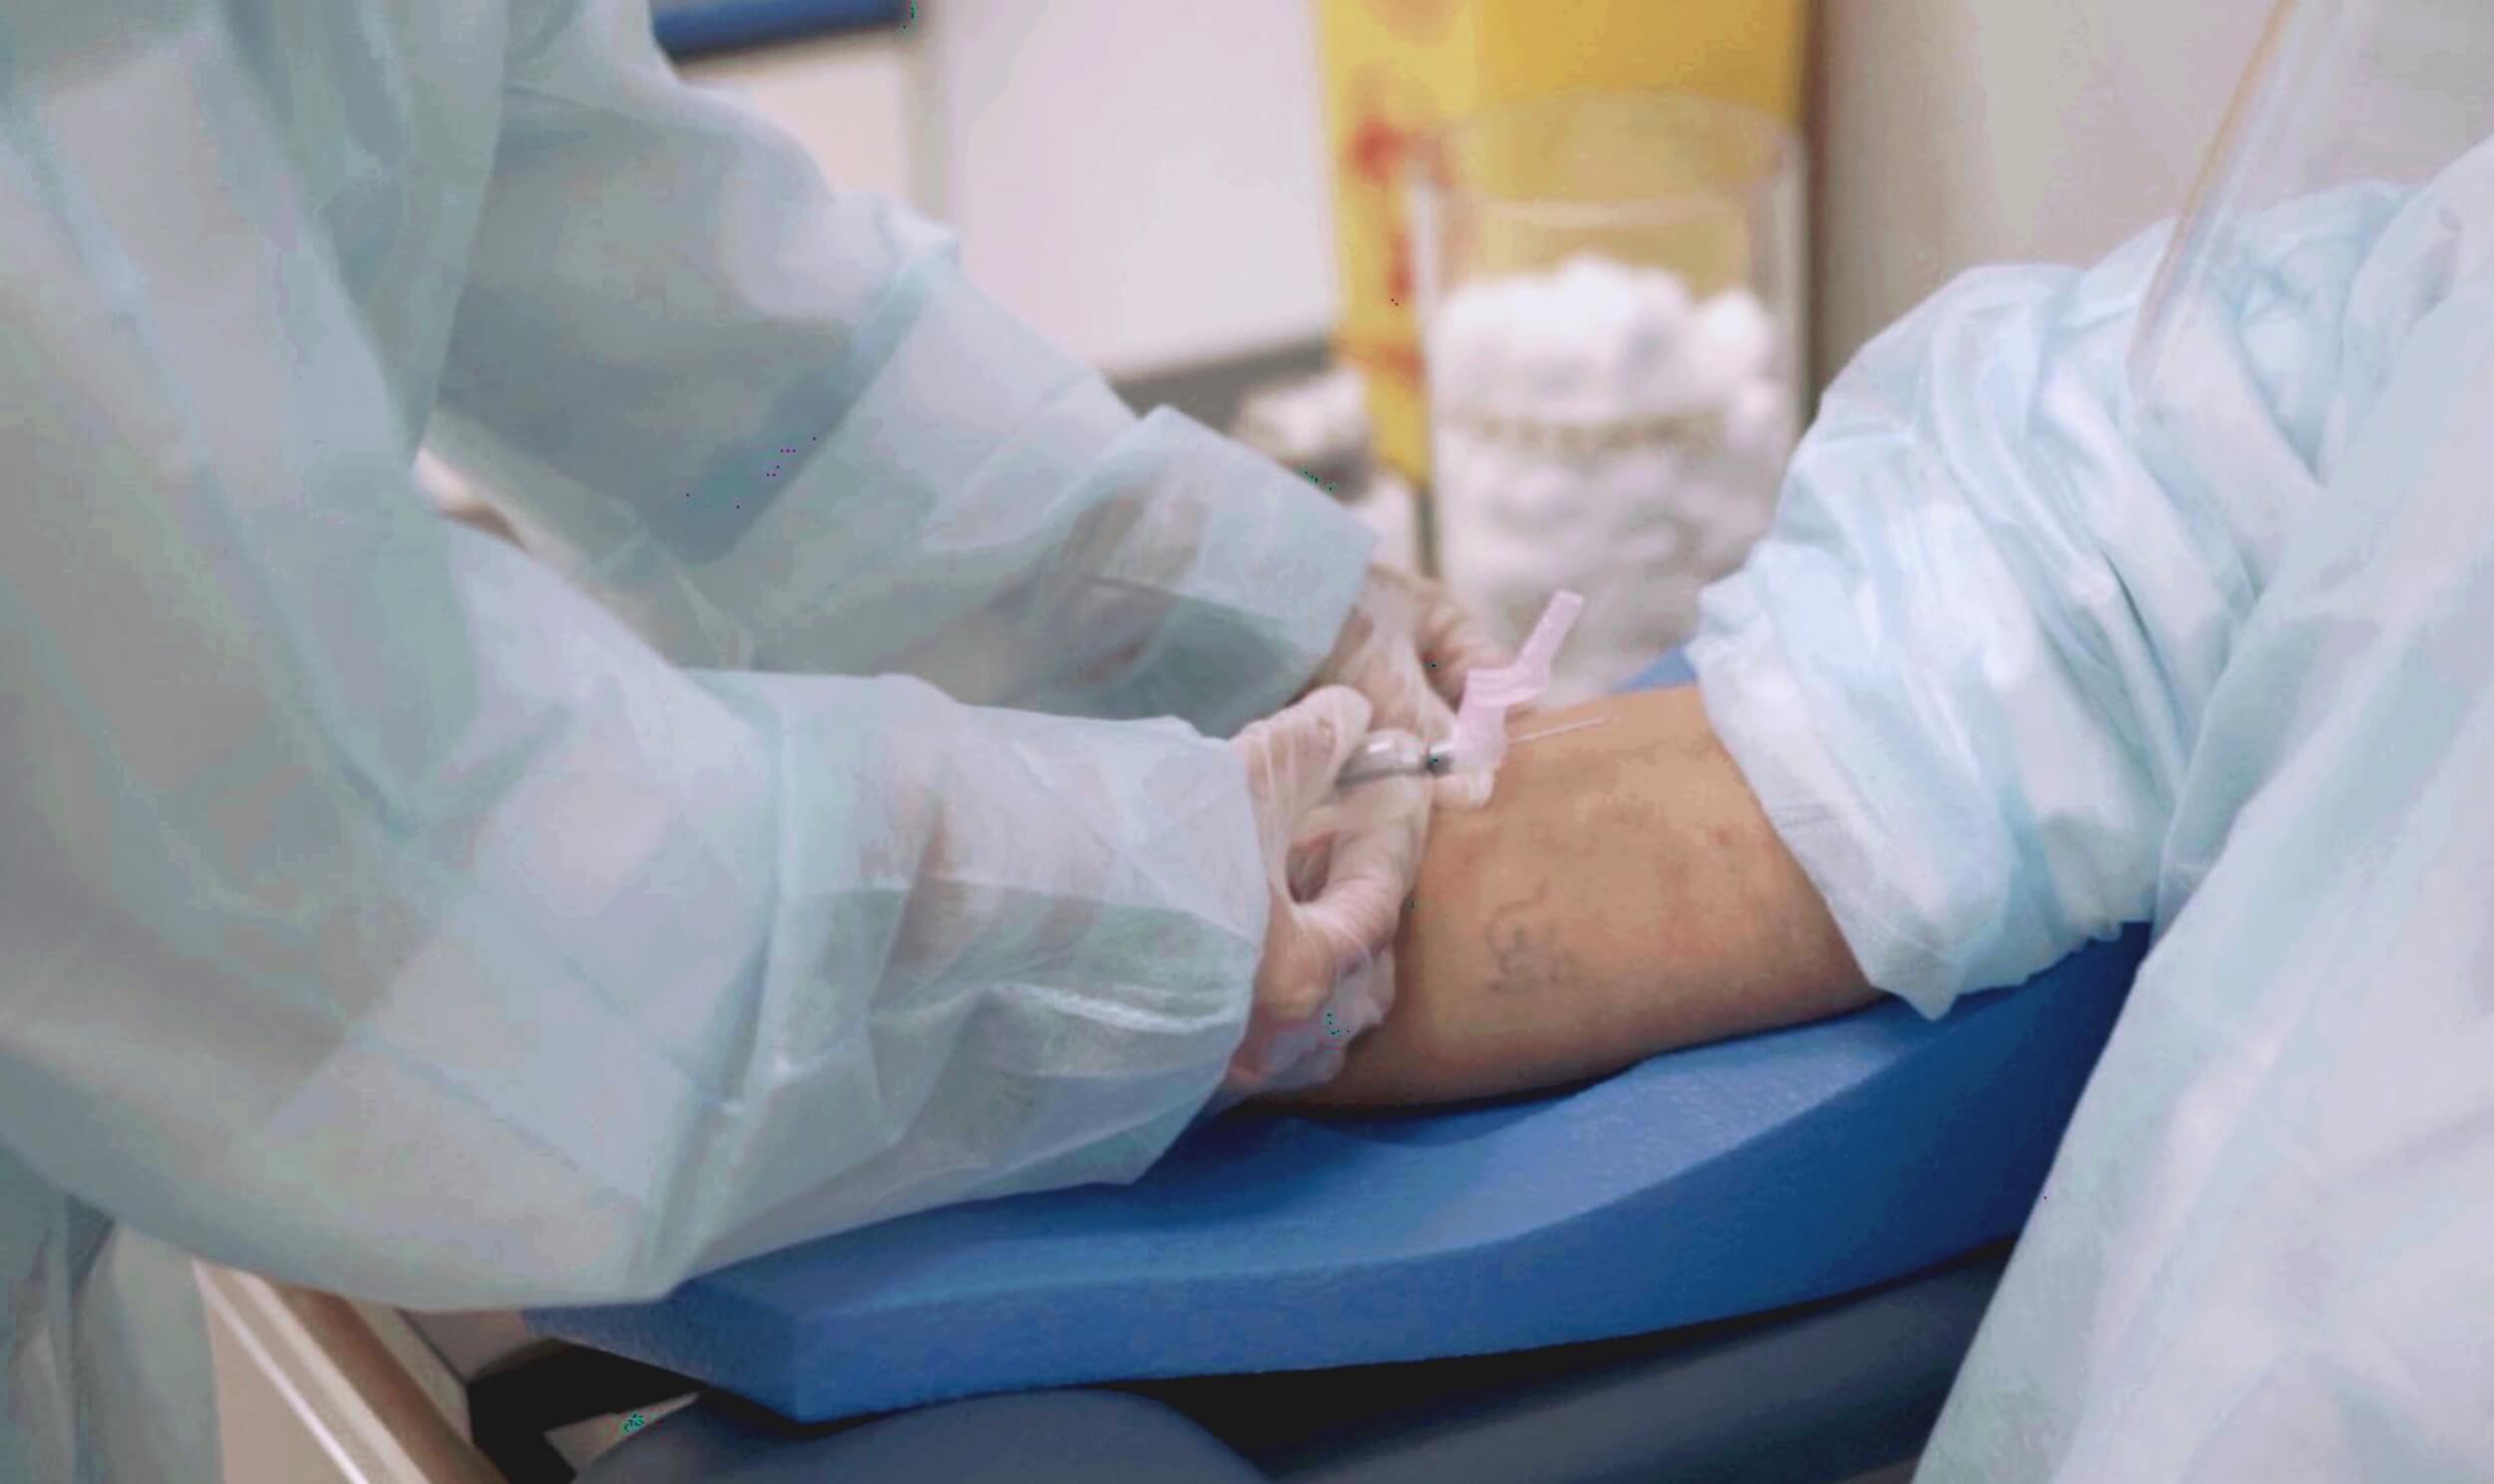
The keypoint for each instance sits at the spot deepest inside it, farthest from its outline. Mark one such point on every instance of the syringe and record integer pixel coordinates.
(1395, 754)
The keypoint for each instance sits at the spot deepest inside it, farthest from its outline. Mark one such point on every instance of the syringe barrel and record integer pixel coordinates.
(1388, 754)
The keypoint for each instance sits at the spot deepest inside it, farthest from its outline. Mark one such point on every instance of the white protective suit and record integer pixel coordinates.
(384, 911)
(2165, 591)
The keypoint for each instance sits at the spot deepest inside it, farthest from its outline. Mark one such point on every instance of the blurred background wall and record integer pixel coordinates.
(1146, 181)
(1954, 133)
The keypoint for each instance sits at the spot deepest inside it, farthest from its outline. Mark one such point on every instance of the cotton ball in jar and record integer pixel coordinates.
(1587, 544)
(1634, 497)
(1593, 275)
(1727, 516)
(1475, 349)
(1636, 481)
(1758, 423)
(1476, 458)
(1536, 495)
(1593, 307)
(1720, 496)
(1465, 346)
(1738, 334)
(1728, 541)
(1662, 295)
(1460, 454)
(1505, 576)
(1657, 542)
(1653, 336)
(1485, 480)
(1541, 367)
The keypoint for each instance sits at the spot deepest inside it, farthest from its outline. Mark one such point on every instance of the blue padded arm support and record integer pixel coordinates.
(1716, 1181)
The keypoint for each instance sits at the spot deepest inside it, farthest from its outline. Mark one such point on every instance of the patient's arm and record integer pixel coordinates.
(1623, 895)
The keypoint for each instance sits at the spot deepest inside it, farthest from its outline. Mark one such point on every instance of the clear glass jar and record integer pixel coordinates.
(1611, 291)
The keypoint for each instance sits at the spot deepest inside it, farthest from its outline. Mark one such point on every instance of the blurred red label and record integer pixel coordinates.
(1421, 19)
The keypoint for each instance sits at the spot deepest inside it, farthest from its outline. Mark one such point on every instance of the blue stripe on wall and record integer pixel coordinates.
(688, 27)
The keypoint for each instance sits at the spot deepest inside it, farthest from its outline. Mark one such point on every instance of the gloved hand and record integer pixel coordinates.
(1339, 871)
(1407, 646)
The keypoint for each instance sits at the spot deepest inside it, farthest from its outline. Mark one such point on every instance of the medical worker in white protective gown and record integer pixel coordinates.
(2165, 591)
(816, 833)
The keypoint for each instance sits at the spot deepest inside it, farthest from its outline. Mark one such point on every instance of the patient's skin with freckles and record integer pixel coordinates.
(1623, 893)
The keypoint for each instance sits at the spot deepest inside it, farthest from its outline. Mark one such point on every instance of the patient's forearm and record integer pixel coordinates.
(1621, 896)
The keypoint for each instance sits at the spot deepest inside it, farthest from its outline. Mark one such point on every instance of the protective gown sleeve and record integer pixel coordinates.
(384, 916)
(773, 425)
(1965, 668)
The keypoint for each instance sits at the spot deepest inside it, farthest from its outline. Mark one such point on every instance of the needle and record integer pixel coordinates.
(1558, 731)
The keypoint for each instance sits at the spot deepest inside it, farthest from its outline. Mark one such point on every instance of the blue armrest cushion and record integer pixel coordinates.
(1717, 1181)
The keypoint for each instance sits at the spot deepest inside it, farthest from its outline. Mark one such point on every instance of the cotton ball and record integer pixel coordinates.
(1467, 345)
(1586, 309)
(1641, 478)
(1504, 481)
(1503, 577)
(1595, 309)
(1699, 379)
(1502, 349)
(1551, 324)
(1654, 328)
(1557, 380)
(1728, 340)
(1758, 422)
(1459, 451)
(1468, 504)
(1570, 337)
(1595, 294)
(1738, 333)
(1702, 502)
(1636, 502)
(1637, 332)
(1636, 521)
(1716, 496)
(1587, 548)
(1595, 268)
(1653, 338)
(1660, 304)
(1517, 493)
(1471, 456)
(1534, 497)
(1494, 502)
(1654, 545)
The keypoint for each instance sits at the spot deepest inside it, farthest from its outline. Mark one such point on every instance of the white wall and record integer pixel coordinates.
(851, 100)
(1952, 133)
(1144, 179)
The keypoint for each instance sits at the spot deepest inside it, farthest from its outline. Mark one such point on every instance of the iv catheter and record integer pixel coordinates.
(1397, 754)
(1480, 739)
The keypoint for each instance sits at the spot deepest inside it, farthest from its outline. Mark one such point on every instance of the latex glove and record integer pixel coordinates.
(1339, 871)
(1407, 646)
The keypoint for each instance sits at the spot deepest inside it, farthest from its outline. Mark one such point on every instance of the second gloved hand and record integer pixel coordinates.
(1409, 646)
(1339, 871)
